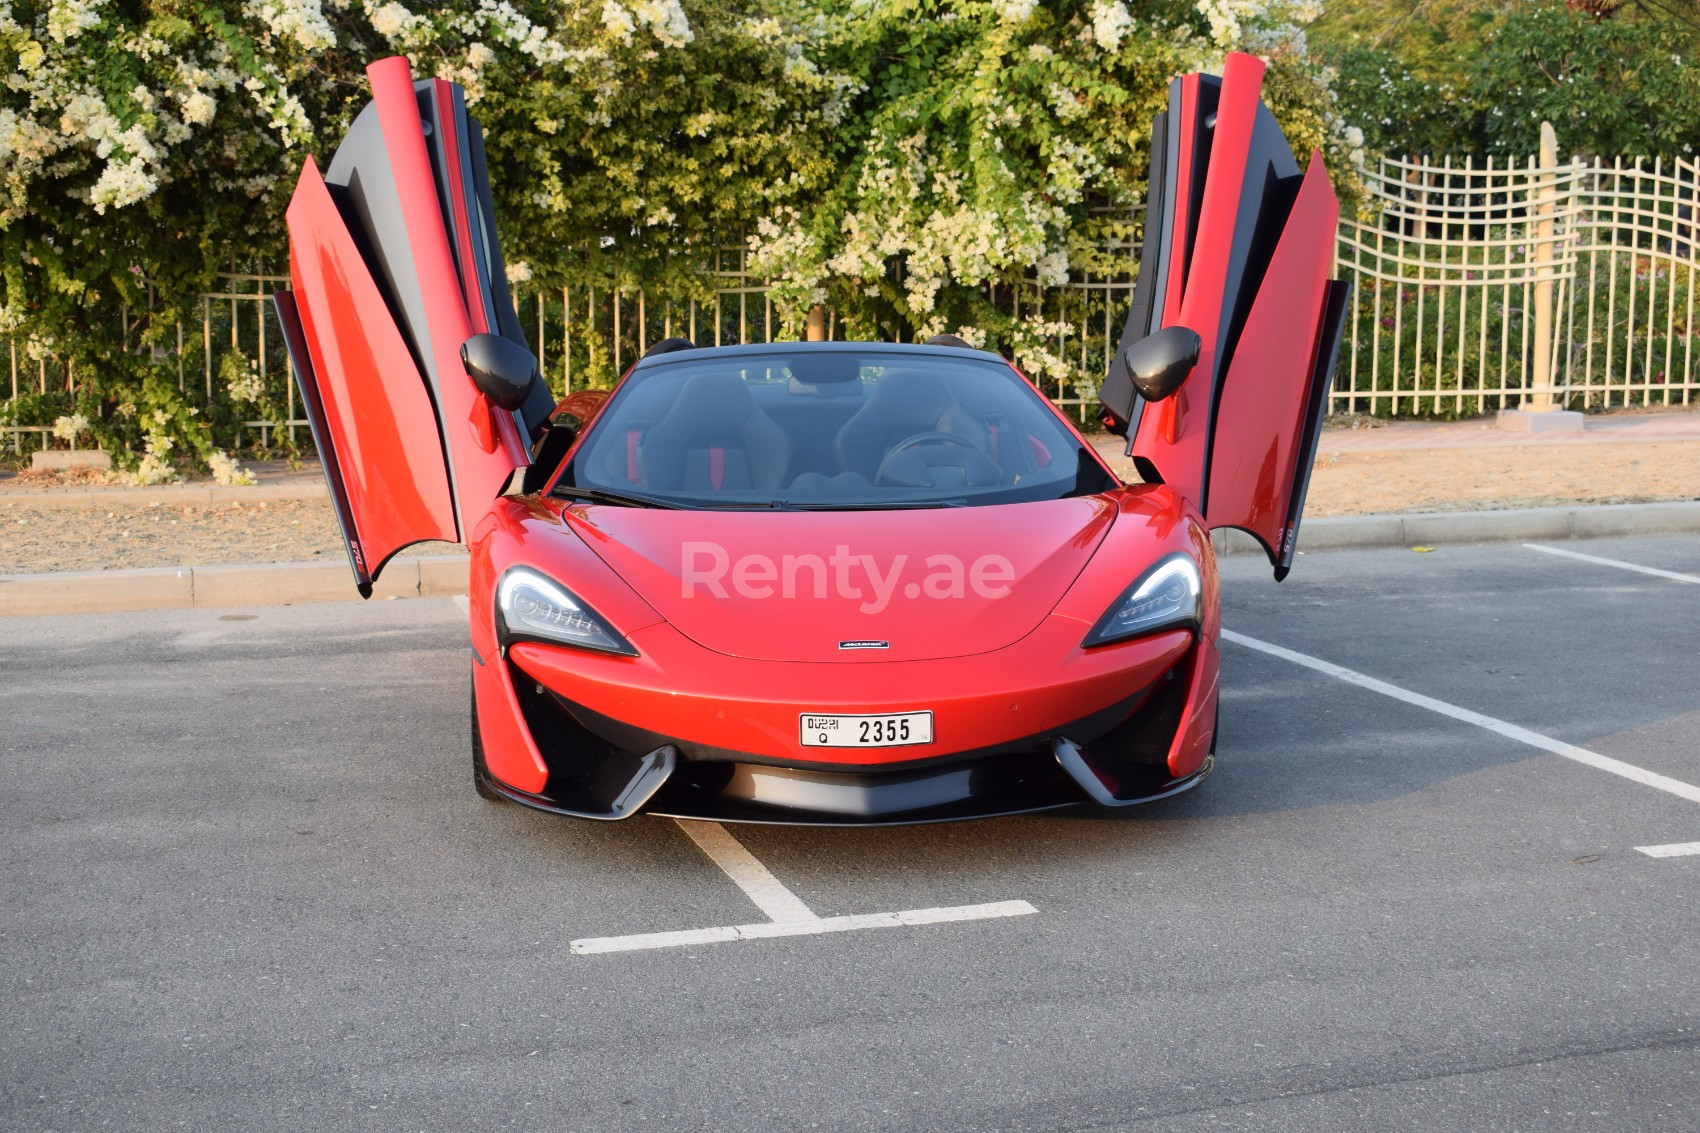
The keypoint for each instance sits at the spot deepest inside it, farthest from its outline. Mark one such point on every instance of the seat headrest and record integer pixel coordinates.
(710, 405)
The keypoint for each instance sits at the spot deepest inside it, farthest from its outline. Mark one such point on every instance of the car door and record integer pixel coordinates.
(1239, 246)
(394, 263)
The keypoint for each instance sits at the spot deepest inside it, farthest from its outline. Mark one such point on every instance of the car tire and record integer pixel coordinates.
(481, 778)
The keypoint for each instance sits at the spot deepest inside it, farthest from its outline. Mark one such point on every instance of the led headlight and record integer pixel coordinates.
(534, 608)
(1165, 597)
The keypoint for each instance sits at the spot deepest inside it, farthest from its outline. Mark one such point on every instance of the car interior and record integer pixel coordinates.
(824, 426)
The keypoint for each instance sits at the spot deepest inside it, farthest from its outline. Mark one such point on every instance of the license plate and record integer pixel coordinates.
(893, 729)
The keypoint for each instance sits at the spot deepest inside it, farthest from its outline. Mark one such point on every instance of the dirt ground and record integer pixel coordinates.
(1367, 483)
(41, 536)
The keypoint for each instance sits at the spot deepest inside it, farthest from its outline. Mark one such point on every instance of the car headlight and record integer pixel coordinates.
(1165, 597)
(535, 608)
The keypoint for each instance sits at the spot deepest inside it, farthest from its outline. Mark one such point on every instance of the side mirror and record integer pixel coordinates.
(1160, 362)
(502, 369)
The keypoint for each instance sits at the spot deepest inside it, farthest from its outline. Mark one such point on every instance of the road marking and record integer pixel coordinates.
(1618, 563)
(1674, 850)
(1511, 731)
(464, 603)
(770, 929)
(757, 882)
(790, 916)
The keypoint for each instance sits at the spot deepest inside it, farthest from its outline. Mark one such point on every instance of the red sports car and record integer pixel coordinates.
(839, 582)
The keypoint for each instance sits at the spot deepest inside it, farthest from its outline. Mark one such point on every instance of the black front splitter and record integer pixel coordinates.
(673, 802)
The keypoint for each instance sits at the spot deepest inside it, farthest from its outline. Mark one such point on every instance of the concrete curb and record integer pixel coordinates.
(176, 495)
(204, 587)
(276, 584)
(1434, 528)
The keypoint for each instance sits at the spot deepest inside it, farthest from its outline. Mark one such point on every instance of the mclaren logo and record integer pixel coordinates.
(864, 645)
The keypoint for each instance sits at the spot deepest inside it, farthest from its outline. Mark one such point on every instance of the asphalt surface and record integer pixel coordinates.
(245, 884)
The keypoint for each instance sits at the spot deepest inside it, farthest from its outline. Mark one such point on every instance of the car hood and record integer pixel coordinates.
(850, 586)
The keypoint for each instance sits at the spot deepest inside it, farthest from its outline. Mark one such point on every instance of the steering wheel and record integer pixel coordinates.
(882, 477)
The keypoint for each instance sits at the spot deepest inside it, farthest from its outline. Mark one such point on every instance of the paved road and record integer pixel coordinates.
(246, 884)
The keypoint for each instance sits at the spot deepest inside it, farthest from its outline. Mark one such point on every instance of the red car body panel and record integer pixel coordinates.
(394, 264)
(752, 706)
(374, 401)
(1261, 423)
(811, 571)
(1177, 434)
(484, 446)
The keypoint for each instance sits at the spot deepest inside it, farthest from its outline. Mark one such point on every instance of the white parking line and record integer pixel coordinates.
(1511, 731)
(816, 926)
(791, 917)
(1674, 850)
(757, 882)
(1618, 563)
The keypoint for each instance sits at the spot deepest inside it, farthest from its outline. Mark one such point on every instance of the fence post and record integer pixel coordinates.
(1538, 413)
(1540, 377)
(816, 324)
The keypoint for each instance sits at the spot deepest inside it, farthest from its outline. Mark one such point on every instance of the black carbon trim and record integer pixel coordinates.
(307, 382)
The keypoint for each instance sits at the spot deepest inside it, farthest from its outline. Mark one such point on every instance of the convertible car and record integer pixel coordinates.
(835, 582)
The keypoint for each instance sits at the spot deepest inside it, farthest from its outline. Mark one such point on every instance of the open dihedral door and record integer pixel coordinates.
(1239, 244)
(393, 265)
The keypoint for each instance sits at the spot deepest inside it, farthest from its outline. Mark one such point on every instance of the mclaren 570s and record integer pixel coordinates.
(821, 582)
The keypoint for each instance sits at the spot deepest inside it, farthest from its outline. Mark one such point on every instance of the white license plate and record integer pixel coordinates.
(894, 729)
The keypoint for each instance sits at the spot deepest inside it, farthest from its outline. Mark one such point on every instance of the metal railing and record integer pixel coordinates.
(587, 335)
(1534, 283)
(1479, 285)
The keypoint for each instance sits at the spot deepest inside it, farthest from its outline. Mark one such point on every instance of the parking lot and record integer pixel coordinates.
(247, 884)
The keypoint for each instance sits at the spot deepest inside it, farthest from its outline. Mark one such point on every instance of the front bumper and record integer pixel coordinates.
(720, 751)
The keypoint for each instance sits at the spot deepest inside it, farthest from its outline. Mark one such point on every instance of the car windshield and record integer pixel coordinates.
(828, 427)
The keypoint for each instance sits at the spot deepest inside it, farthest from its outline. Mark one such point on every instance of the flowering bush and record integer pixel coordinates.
(977, 137)
(895, 157)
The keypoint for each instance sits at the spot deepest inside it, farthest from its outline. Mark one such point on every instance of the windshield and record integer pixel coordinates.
(828, 427)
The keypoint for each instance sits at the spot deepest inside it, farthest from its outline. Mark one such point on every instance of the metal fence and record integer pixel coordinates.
(1482, 286)
(1478, 286)
(586, 335)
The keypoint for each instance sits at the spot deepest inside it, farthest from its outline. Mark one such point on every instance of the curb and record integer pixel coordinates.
(438, 576)
(1428, 528)
(206, 587)
(180, 495)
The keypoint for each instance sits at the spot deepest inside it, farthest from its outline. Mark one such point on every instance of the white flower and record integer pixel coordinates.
(1052, 268)
(765, 30)
(394, 22)
(618, 21)
(245, 387)
(1068, 104)
(227, 471)
(479, 56)
(67, 19)
(1110, 22)
(199, 108)
(70, 428)
(519, 272)
(120, 184)
(1014, 11)
(154, 470)
(300, 21)
(666, 19)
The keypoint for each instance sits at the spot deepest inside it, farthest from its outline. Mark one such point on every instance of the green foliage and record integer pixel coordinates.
(914, 162)
(1609, 87)
(1400, 113)
(1479, 76)
(986, 145)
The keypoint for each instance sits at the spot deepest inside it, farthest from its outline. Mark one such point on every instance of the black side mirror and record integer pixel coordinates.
(502, 369)
(1160, 362)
